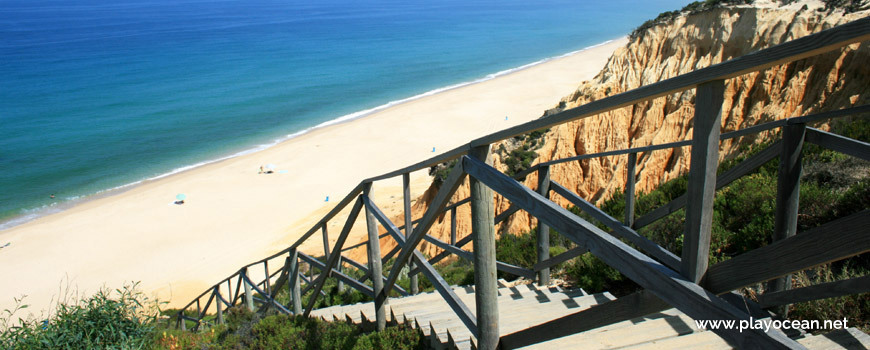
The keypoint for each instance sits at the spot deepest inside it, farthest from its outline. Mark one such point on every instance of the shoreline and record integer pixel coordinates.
(234, 216)
(69, 203)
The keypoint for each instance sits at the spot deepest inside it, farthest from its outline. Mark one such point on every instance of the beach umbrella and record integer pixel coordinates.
(270, 166)
(181, 196)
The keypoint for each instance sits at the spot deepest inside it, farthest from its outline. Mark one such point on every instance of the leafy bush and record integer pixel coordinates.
(297, 332)
(852, 307)
(119, 319)
(594, 276)
(440, 172)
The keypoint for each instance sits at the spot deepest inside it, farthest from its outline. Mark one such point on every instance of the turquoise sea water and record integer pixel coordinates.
(97, 95)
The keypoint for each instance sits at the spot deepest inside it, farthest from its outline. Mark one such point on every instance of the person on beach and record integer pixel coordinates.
(261, 170)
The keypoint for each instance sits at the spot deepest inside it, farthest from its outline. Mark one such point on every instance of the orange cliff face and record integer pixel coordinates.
(830, 81)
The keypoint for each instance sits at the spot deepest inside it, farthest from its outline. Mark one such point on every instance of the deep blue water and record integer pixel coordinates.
(99, 94)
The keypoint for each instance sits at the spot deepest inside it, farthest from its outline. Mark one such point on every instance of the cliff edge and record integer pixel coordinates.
(681, 44)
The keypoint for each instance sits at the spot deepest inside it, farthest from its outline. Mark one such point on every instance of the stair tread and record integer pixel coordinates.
(639, 333)
(850, 338)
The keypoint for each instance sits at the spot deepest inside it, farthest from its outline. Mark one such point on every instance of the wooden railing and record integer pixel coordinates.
(684, 282)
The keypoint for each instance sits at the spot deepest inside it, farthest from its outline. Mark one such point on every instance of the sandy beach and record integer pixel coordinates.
(233, 215)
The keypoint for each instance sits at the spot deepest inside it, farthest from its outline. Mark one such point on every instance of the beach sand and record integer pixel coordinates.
(233, 215)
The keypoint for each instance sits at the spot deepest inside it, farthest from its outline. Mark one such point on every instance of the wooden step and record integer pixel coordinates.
(626, 335)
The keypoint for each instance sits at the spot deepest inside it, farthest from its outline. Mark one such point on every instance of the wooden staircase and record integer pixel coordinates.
(523, 306)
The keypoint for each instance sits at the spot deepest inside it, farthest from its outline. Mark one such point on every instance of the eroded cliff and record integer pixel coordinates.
(829, 81)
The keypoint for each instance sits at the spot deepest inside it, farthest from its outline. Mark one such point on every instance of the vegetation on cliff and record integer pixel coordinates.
(833, 185)
(848, 6)
(691, 8)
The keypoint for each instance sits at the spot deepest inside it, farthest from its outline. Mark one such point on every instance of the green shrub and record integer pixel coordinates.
(119, 319)
(852, 307)
(594, 276)
(691, 8)
(399, 338)
(297, 332)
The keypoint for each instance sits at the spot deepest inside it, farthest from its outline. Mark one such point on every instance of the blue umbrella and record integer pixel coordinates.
(181, 196)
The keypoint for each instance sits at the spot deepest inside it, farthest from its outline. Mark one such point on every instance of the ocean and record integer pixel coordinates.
(97, 96)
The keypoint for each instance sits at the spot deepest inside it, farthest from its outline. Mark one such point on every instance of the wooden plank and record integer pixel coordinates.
(367, 275)
(754, 129)
(431, 274)
(745, 167)
(271, 301)
(448, 187)
(374, 255)
(829, 115)
(810, 45)
(392, 252)
(665, 283)
(452, 226)
(441, 158)
(267, 286)
(238, 285)
(455, 205)
(360, 244)
(543, 239)
(249, 296)
(485, 277)
(370, 206)
(630, 180)
(506, 214)
(618, 228)
(334, 257)
(353, 283)
(702, 179)
(511, 269)
(282, 279)
(820, 291)
(619, 152)
(631, 306)
(202, 312)
(293, 273)
(219, 306)
(443, 254)
(332, 213)
(568, 255)
(832, 241)
(788, 188)
(409, 223)
(854, 148)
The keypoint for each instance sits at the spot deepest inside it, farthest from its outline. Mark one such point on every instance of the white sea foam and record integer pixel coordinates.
(34, 213)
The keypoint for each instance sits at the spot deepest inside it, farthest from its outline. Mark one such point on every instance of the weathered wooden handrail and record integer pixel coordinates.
(660, 280)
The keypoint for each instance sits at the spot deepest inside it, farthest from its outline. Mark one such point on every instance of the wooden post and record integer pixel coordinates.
(702, 178)
(788, 188)
(453, 226)
(409, 227)
(230, 292)
(219, 304)
(630, 179)
(375, 261)
(485, 279)
(293, 282)
(183, 322)
(267, 284)
(326, 253)
(249, 296)
(543, 230)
